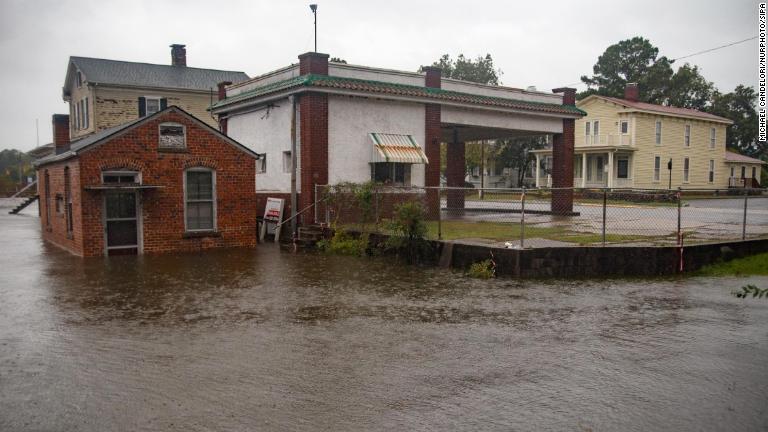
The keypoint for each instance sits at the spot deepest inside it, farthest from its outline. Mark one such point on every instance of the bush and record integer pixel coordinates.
(482, 270)
(409, 230)
(344, 243)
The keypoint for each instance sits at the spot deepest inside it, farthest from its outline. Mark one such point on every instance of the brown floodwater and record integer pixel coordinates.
(242, 340)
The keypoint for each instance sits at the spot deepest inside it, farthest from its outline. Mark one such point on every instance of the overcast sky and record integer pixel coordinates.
(542, 43)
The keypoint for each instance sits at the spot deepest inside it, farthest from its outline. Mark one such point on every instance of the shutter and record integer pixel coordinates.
(142, 106)
(163, 104)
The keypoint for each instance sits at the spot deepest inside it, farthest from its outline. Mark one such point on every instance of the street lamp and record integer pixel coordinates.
(313, 6)
(669, 167)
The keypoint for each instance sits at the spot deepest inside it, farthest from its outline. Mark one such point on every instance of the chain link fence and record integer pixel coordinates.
(529, 218)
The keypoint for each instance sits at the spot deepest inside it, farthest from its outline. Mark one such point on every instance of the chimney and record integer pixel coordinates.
(313, 63)
(223, 89)
(569, 95)
(632, 92)
(178, 55)
(61, 133)
(432, 76)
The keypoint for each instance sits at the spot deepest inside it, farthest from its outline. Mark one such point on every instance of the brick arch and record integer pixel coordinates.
(200, 161)
(122, 163)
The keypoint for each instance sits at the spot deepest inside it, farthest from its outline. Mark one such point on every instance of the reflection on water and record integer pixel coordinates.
(263, 340)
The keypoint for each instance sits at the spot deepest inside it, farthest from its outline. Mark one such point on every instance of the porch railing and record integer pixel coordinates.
(604, 140)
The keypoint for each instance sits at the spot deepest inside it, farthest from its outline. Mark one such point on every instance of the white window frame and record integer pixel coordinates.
(146, 105)
(687, 136)
(214, 228)
(135, 174)
(711, 172)
(587, 128)
(623, 123)
(261, 164)
(686, 170)
(712, 138)
(629, 167)
(596, 127)
(656, 169)
(658, 132)
(184, 135)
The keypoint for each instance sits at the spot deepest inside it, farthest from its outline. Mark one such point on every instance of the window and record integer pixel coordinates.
(624, 127)
(47, 198)
(68, 201)
(687, 135)
(622, 167)
(658, 132)
(77, 116)
(596, 128)
(589, 167)
(59, 204)
(754, 172)
(711, 177)
(124, 177)
(397, 174)
(743, 172)
(200, 199)
(86, 117)
(153, 105)
(712, 138)
(732, 171)
(586, 128)
(172, 136)
(261, 164)
(287, 162)
(656, 168)
(686, 169)
(79, 78)
(577, 166)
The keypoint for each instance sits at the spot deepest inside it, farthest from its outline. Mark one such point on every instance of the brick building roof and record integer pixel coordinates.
(123, 73)
(379, 87)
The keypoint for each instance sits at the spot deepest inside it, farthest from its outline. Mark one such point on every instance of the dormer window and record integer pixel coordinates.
(172, 136)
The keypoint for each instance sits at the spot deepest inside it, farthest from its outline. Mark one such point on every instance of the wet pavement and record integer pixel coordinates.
(244, 340)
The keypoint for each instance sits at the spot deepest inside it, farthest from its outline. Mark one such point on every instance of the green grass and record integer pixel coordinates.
(752, 265)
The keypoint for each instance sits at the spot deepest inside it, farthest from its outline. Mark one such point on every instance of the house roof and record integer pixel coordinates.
(123, 73)
(386, 88)
(661, 109)
(78, 146)
(731, 157)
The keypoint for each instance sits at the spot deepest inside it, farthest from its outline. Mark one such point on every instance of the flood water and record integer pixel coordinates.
(244, 340)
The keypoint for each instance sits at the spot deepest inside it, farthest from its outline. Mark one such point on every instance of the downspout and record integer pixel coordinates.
(294, 228)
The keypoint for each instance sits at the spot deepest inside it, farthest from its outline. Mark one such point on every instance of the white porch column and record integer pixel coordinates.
(584, 170)
(610, 169)
(538, 167)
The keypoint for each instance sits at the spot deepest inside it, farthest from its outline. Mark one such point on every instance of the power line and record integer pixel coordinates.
(715, 48)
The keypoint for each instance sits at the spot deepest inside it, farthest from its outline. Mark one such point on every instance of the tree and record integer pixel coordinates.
(515, 153)
(688, 89)
(632, 60)
(739, 106)
(480, 70)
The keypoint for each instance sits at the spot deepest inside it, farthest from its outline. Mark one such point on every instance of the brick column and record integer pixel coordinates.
(313, 124)
(454, 172)
(432, 137)
(562, 159)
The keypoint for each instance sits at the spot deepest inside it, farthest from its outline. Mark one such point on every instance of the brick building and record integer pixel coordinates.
(105, 93)
(164, 182)
(358, 123)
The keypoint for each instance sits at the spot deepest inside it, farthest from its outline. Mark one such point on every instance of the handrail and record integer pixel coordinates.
(24, 189)
(302, 211)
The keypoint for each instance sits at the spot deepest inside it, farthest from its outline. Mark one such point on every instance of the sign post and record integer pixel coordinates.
(273, 216)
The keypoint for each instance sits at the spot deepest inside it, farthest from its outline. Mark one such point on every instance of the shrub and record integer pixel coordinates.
(408, 230)
(344, 243)
(482, 270)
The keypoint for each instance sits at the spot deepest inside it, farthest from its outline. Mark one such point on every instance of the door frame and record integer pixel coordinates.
(139, 225)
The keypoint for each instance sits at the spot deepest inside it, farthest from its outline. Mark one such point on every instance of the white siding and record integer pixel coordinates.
(271, 134)
(350, 120)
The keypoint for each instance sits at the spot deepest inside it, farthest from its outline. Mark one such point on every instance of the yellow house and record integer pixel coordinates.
(625, 143)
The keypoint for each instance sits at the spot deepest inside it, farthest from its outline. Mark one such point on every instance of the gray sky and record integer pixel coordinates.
(541, 43)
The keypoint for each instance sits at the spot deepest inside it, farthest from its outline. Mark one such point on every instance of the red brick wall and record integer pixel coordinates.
(313, 63)
(162, 215)
(314, 145)
(56, 231)
(432, 138)
(562, 168)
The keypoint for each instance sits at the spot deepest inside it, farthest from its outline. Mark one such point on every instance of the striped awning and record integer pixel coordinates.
(397, 148)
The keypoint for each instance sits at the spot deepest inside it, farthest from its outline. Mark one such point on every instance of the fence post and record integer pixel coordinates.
(744, 223)
(440, 214)
(376, 206)
(605, 203)
(522, 219)
(315, 221)
(328, 190)
(679, 217)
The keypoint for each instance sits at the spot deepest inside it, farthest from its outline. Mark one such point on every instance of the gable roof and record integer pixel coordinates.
(83, 144)
(731, 157)
(660, 109)
(387, 88)
(124, 73)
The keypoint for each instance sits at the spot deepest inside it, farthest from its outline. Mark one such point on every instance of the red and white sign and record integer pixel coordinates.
(273, 215)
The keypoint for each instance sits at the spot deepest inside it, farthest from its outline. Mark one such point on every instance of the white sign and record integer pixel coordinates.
(273, 215)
